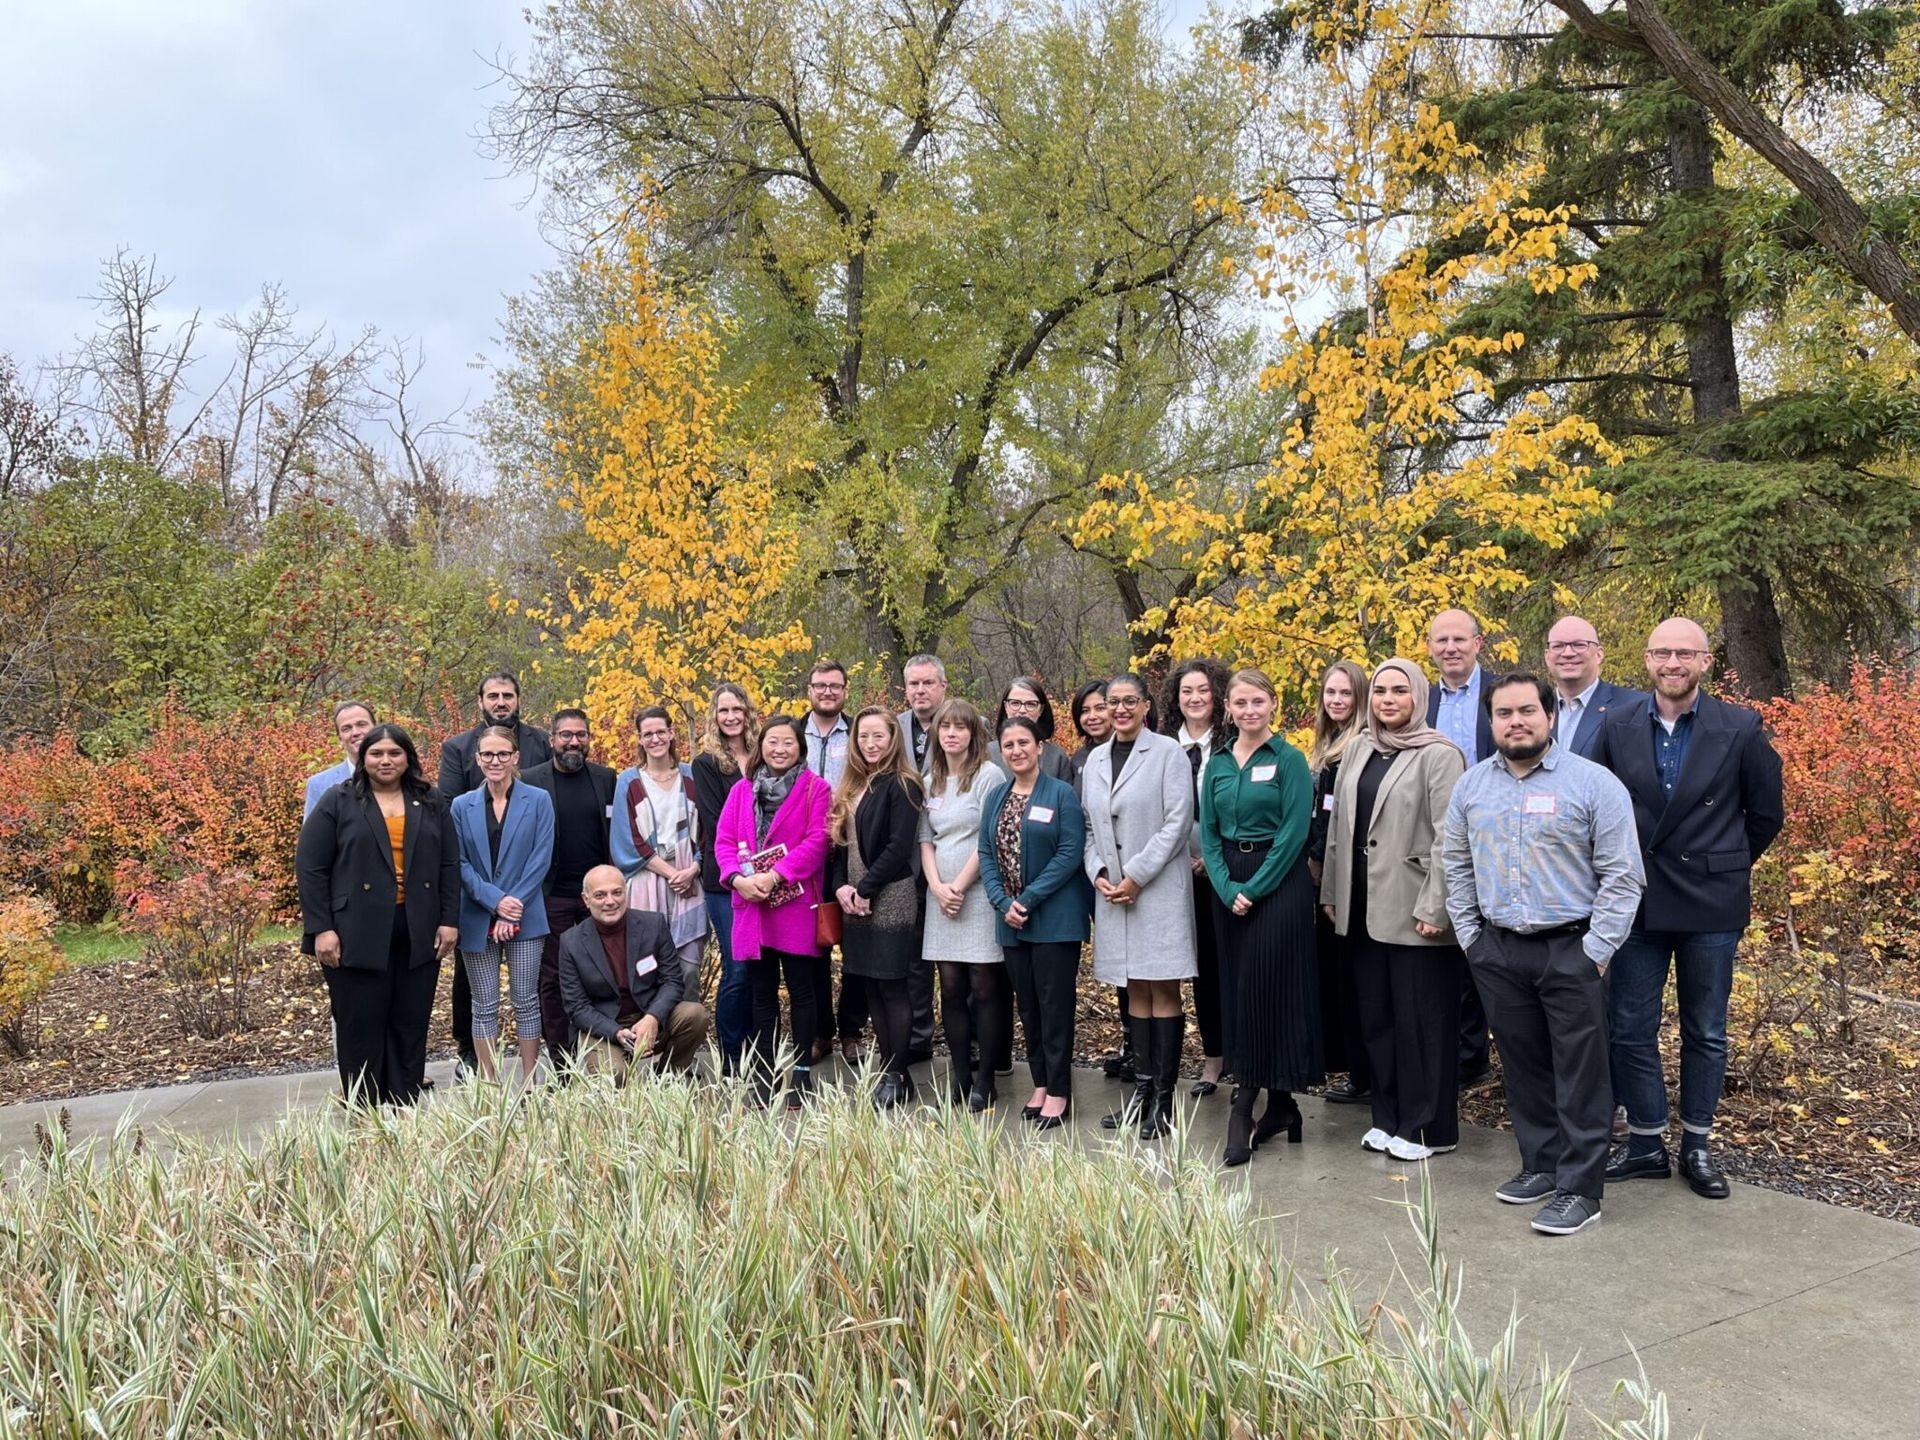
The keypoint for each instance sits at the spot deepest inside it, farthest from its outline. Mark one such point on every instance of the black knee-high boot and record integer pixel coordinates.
(1167, 1033)
(1139, 1039)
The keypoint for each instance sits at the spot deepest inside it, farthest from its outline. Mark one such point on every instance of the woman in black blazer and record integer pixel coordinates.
(379, 874)
(871, 875)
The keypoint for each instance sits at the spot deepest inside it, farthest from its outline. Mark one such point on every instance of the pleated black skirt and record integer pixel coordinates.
(1270, 981)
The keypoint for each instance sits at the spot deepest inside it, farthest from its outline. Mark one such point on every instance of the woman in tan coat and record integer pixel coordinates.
(1383, 889)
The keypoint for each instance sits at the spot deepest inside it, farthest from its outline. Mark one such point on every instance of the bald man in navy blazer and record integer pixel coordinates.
(1707, 801)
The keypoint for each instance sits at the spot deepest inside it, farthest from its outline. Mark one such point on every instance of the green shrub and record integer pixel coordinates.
(655, 1262)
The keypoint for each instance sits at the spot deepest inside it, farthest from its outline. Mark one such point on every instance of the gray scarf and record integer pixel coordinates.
(770, 792)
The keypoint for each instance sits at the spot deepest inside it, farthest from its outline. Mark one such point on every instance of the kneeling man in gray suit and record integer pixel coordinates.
(620, 980)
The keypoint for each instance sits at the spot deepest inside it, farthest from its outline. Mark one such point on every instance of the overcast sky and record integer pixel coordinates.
(326, 145)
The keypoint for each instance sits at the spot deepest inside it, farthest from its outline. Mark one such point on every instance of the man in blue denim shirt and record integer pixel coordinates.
(1707, 802)
(1543, 878)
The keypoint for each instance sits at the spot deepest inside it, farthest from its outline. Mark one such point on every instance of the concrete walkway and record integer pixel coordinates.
(1762, 1316)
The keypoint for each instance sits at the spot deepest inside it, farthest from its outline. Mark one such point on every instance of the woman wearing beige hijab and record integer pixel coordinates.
(1384, 891)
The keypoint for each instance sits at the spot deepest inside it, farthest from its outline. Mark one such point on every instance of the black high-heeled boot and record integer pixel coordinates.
(1139, 1033)
(1240, 1126)
(1167, 1032)
(1282, 1113)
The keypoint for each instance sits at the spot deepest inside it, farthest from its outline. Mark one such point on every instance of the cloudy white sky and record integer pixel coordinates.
(326, 145)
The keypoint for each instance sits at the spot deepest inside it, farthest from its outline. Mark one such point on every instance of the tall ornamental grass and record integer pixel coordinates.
(656, 1262)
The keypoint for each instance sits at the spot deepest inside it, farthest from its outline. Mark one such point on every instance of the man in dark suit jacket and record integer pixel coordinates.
(1707, 801)
(582, 795)
(459, 773)
(620, 981)
(1574, 658)
(1456, 708)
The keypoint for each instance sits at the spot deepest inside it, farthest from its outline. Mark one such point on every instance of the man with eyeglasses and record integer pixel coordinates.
(1707, 801)
(1582, 698)
(925, 680)
(826, 727)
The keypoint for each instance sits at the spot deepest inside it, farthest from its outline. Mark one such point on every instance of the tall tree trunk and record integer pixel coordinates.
(1756, 644)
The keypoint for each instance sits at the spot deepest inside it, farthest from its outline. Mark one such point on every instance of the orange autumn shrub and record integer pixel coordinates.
(198, 932)
(46, 845)
(1846, 868)
(29, 963)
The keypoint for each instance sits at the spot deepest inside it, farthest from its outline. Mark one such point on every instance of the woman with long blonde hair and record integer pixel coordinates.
(729, 742)
(1338, 719)
(874, 827)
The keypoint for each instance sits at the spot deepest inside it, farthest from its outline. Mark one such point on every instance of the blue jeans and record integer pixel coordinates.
(733, 1007)
(1703, 978)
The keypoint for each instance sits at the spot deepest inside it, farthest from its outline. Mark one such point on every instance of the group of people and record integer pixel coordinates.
(1523, 854)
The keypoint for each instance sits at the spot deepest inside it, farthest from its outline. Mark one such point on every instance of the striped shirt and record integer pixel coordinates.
(1548, 848)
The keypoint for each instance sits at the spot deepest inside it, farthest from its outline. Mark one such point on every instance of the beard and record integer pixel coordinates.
(1526, 749)
(569, 762)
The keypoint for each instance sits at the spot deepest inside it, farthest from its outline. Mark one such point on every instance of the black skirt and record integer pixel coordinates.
(1270, 980)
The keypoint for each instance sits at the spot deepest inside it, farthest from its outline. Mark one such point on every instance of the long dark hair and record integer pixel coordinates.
(1171, 718)
(413, 781)
(1043, 725)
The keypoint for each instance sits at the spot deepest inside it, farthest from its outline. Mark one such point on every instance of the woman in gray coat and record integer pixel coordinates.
(1138, 793)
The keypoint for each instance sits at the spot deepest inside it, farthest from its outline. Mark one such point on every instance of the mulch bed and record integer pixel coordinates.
(1848, 1135)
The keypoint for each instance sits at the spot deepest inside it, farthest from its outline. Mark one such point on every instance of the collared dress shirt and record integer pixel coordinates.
(1571, 710)
(1459, 717)
(827, 752)
(1548, 848)
(1670, 742)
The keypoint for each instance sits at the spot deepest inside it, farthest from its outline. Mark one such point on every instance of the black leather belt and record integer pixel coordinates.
(1552, 932)
(1250, 847)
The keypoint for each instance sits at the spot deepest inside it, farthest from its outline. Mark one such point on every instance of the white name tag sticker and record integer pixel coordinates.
(1542, 805)
(1040, 814)
(935, 802)
(609, 812)
(645, 965)
(1264, 773)
(1327, 804)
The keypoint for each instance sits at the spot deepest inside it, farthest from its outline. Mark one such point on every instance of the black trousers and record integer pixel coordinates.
(463, 1010)
(1548, 1006)
(563, 913)
(1046, 983)
(1476, 1053)
(1341, 1040)
(765, 973)
(1409, 997)
(1206, 979)
(920, 984)
(380, 1022)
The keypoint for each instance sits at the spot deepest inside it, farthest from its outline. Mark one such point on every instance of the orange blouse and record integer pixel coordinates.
(397, 838)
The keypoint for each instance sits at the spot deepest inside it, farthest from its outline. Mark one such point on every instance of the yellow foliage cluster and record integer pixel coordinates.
(29, 963)
(1374, 513)
(690, 551)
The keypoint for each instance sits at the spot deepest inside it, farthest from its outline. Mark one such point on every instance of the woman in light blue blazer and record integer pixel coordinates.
(1032, 835)
(506, 848)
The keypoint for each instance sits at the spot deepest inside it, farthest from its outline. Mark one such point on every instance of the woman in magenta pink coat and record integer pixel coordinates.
(781, 804)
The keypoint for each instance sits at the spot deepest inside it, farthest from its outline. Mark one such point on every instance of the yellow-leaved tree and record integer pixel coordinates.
(680, 581)
(1401, 480)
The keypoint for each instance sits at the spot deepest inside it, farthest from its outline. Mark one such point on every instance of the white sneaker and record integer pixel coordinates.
(1376, 1140)
(1407, 1149)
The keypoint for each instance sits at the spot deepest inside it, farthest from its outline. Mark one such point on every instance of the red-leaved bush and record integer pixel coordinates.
(198, 797)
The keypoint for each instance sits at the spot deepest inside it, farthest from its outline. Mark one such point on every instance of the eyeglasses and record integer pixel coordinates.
(494, 757)
(825, 689)
(1572, 645)
(1125, 702)
(1664, 655)
(1015, 703)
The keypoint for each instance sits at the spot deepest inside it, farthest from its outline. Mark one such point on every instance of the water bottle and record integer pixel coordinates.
(746, 860)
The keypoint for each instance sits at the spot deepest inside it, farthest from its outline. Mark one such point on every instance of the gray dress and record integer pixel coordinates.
(951, 824)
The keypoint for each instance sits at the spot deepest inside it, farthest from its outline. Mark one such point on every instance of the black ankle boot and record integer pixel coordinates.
(1282, 1113)
(1167, 1032)
(1240, 1126)
(1139, 1032)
